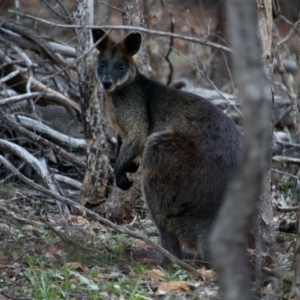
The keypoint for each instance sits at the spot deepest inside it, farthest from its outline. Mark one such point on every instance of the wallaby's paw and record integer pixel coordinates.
(133, 167)
(123, 182)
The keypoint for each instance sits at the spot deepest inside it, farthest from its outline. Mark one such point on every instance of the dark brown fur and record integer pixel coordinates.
(187, 147)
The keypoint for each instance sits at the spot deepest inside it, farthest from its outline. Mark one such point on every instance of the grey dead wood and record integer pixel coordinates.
(11, 122)
(229, 238)
(264, 227)
(45, 94)
(39, 165)
(98, 176)
(60, 138)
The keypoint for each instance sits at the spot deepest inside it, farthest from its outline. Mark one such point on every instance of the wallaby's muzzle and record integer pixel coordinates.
(107, 84)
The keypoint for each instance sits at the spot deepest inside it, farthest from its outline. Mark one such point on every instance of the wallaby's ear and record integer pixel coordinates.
(106, 41)
(132, 43)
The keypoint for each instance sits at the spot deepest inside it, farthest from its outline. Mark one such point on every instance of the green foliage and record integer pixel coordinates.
(174, 273)
(286, 185)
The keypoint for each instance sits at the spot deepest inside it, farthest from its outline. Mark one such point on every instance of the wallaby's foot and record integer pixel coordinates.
(195, 258)
(147, 256)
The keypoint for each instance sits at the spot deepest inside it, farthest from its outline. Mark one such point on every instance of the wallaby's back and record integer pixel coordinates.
(188, 147)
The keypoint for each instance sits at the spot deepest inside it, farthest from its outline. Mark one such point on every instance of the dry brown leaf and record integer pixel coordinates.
(269, 289)
(53, 249)
(173, 286)
(142, 244)
(155, 274)
(4, 259)
(209, 274)
(77, 266)
(78, 219)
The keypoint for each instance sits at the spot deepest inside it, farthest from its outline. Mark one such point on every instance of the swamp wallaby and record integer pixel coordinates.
(187, 147)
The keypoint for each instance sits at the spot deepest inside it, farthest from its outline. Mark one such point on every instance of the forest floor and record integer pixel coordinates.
(43, 258)
(40, 259)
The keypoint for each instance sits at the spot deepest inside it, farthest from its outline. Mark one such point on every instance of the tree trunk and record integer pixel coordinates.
(156, 46)
(98, 176)
(120, 204)
(295, 294)
(264, 233)
(229, 238)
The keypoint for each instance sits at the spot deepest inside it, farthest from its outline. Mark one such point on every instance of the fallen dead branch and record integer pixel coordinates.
(42, 141)
(286, 159)
(58, 137)
(44, 93)
(37, 39)
(286, 209)
(25, 43)
(68, 181)
(39, 166)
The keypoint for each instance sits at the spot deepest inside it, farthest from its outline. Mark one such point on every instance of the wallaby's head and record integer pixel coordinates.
(115, 65)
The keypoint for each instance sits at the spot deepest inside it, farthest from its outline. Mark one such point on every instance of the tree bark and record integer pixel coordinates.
(157, 47)
(295, 293)
(264, 233)
(98, 176)
(120, 203)
(229, 238)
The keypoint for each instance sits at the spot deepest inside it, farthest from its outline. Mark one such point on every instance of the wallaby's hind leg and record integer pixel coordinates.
(170, 242)
(182, 190)
(163, 182)
(205, 228)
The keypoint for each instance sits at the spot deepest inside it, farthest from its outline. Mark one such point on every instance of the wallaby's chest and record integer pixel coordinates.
(119, 114)
(113, 115)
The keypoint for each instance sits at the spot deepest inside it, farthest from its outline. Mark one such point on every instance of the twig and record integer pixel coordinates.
(132, 28)
(203, 72)
(12, 75)
(287, 209)
(58, 16)
(111, 6)
(289, 35)
(65, 237)
(95, 216)
(287, 174)
(289, 87)
(171, 46)
(286, 159)
(30, 66)
(23, 220)
(68, 180)
(56, 98)
(288, 144)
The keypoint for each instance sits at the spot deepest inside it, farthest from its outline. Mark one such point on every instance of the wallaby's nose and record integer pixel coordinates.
(107, 84)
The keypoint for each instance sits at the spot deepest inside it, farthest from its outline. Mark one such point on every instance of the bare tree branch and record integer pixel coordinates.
(136, 28)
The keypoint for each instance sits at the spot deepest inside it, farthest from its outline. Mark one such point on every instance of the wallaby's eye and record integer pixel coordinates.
(121, 67)
(101, 65)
